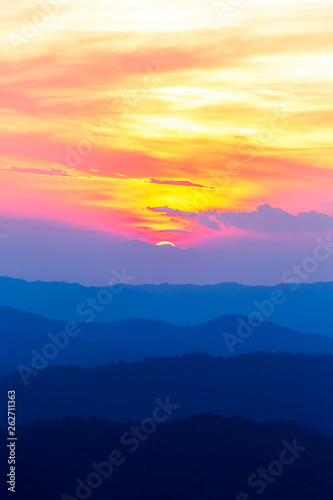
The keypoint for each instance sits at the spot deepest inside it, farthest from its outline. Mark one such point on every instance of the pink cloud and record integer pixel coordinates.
(177, 183)
(37, 171)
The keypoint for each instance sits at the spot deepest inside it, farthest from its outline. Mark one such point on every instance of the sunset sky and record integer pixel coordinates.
(152, 119)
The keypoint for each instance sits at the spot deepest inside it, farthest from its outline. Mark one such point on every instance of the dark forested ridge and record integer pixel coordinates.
(260, 386)
(304, 307)
(204, 457)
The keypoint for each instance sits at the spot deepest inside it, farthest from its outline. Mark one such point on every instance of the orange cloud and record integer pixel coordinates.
(178, 109)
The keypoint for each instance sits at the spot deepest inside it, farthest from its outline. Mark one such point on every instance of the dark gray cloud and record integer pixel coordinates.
(172, 211)
(265, 219)
(205, 219)
(275, 220)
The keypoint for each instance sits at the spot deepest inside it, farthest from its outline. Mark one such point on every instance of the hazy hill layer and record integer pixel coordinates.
(306, 308)
(31, 341)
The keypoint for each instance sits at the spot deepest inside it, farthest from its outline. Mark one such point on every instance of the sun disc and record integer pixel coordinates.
(165, 243)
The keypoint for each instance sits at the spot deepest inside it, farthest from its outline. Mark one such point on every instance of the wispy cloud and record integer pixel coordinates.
(37, 171)
(176, 182)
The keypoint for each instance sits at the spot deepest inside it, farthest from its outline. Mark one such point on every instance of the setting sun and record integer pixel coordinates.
(165, 243)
